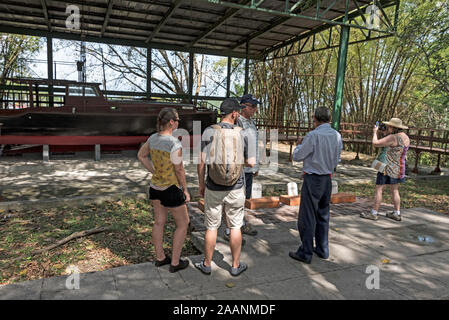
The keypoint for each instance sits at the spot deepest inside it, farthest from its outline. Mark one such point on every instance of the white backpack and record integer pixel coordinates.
(226, 160)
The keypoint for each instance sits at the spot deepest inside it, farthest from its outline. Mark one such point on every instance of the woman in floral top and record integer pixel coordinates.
(397, 143)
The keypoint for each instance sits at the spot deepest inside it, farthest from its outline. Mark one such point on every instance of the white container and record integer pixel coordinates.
(256, 191)
(292, 189)
(334, 187)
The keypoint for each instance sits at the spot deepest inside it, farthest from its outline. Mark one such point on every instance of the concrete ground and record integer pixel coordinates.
(411, 255)
(410, 258)
(27, 181)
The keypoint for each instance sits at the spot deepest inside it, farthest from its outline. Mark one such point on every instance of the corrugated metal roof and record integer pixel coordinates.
(188, 25)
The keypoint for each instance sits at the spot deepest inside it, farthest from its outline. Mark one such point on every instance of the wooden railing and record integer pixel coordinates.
(429, 140)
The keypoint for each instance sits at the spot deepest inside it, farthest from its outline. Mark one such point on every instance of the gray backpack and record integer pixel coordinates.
(226, 159)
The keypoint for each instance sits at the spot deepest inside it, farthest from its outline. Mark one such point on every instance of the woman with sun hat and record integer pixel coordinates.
(397, 144)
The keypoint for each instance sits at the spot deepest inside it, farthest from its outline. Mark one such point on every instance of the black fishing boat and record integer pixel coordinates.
(35, 107)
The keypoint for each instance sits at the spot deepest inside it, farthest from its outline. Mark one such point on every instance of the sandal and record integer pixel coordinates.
(161, 263)
(181, 265)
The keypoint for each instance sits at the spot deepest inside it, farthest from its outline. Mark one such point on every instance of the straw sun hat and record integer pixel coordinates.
(395, 122)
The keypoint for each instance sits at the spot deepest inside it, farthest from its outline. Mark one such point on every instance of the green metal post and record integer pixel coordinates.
(341, 71)
(246, 68)
(228, 78)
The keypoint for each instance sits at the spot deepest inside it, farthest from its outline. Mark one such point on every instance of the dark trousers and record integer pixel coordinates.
(313, 218)
(248, 184)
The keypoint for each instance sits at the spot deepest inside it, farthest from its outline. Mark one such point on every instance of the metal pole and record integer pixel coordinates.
(341, 71)
(104, 72)
(190, 83)
(82, 71)
(50, 69)
(149, 66)
(246, 68)
(228, 78)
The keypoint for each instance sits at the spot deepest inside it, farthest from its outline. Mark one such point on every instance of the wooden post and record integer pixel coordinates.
(45, 153)
(431, 139)
(437, 169)
(291, 147)
(415, 169)
(97, 152)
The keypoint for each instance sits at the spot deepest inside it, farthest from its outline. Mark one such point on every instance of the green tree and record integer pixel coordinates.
(13, 50)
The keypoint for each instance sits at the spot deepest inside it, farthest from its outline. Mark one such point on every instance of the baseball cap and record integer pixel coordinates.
(249, 98)
(230, 104)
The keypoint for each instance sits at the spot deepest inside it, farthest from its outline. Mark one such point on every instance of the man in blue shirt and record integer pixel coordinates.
(320, 150)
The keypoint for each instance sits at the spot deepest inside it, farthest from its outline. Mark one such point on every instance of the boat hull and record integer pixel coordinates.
(68, 124)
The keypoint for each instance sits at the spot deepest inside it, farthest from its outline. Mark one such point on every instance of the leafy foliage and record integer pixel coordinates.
(128, 243)
(13, 50)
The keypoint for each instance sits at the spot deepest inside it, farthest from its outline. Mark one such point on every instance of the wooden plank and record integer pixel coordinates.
(265, 202)
(290, 200)
(343, 198)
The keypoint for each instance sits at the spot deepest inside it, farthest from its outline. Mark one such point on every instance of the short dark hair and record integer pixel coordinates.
(322, 114)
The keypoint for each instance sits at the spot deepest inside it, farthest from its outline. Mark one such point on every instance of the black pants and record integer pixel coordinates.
(313, 218)
(248, 184)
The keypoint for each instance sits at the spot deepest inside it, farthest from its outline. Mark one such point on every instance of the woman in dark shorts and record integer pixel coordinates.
(397, 143)
(168, 188)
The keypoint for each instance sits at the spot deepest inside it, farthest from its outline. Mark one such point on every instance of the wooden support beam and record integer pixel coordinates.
(106, 18)
(164, 20)
(228, 14)
(46, 15)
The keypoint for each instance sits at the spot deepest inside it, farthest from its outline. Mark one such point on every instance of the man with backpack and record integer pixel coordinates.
(245, 120)
(224, 150)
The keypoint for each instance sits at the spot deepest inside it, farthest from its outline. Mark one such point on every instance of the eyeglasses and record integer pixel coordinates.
(177, 119)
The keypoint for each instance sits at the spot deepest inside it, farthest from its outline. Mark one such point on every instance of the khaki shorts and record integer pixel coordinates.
(232, 203)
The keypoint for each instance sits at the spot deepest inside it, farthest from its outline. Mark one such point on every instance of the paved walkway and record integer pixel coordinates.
(31, 180)
(416, 249)
(411, 255)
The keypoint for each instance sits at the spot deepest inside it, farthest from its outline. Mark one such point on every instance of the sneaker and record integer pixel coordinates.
(227, 238)
(246, 229)
(167, 260)
(393, 216)
(369, 215)
(200, 266)
(296, 256)
(241, 268)
(181, 265)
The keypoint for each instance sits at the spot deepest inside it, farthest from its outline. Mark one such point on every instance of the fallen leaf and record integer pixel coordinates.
(337, 229)
(385, 261)
(23, 272)
(230, 285)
